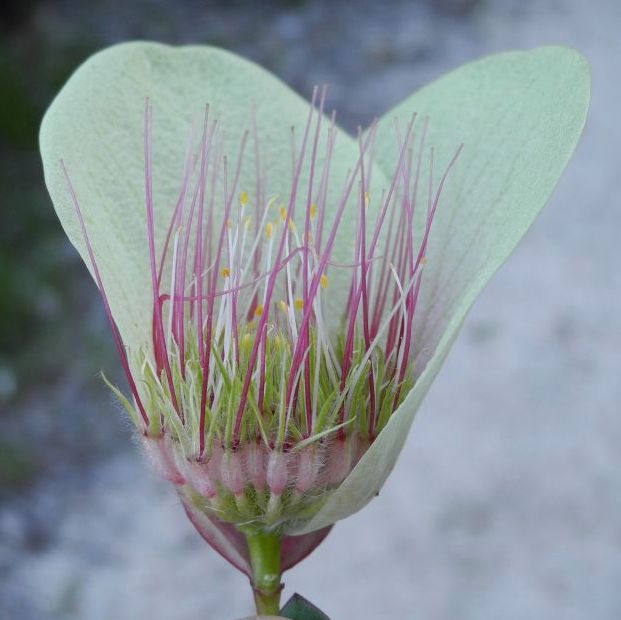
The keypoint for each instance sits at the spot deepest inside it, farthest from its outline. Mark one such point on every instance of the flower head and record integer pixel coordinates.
(247, 396)
(282, 295)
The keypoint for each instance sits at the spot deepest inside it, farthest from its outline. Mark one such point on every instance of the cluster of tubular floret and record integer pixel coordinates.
(255, 481)
(245, 397)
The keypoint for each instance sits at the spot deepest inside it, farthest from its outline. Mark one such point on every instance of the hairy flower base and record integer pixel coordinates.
(256, 486)
(279, 470)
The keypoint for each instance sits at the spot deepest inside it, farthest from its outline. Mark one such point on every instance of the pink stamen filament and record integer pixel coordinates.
(159, 344)
(115, 330)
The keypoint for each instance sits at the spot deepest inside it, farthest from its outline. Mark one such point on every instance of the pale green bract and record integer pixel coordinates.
(518, 114)
(95, 125)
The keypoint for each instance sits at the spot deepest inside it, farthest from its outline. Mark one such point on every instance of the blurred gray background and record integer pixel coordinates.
(506, 502)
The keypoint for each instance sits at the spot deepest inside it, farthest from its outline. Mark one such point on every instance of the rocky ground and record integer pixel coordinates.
(506, 502)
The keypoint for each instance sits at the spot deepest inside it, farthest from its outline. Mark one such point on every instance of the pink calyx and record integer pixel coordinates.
(309, 463)
(255, 458)
(160, 453)
(232, 473)
(277, 474)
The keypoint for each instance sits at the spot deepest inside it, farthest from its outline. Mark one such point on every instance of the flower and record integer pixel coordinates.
(282, 295)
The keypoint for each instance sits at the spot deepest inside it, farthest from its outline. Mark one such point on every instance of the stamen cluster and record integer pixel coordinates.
(248, 398)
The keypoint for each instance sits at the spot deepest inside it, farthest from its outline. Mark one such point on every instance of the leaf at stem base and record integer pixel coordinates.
(298, 608)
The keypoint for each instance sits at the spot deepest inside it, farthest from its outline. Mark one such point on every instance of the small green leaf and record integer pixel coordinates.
(298, 608)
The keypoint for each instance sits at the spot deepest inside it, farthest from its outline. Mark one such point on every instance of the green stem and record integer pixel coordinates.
(266, 573)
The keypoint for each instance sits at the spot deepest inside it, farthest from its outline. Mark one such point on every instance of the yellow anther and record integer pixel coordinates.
(243, 199)
(324, 281)
(226, 272)
(299, 303)
(269, 230)
(283, 306)
(292, 226)
(283, 212)
(313, 210)
(247, 340)
(247, 222)
(258, 311)
(229, 223)
(367, 198)
(424, 260)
